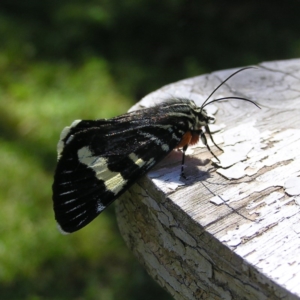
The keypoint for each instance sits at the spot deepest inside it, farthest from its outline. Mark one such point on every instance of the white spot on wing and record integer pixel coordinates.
(69, 201)
(113, 181)
(69, 139)
(100, 207)
(74, 208)
(152, 137)
(116, 183)
(138, 161)
(151, 162)
(68, 192)
(156, 140)
(165, 147)
(64, 133)
(74, 124)
(86, 157)
(175, 137)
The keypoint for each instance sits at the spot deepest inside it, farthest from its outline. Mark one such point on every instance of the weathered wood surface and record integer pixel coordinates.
(229, 231)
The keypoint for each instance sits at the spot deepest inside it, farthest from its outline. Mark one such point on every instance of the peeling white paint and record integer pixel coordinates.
(241, 133)
(235, 172)
(216, 127)
(216, 200)
(167, 181)
(292, 186)
(248, 157)
(211, 109)
(233, 154)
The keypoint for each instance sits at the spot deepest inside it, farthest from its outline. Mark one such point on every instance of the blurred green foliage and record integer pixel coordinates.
(88, 59)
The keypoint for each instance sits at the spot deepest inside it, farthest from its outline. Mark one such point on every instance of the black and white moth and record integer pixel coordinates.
(99, 160)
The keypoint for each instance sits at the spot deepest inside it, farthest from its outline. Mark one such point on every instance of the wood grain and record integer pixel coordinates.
(230, 230)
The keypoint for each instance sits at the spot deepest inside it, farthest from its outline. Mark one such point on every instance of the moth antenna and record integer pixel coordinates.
(236, 98)
(233, 74)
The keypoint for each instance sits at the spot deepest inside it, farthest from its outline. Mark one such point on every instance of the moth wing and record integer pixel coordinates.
(98, 161)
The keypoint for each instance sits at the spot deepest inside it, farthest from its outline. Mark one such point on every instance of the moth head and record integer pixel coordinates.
(204, 118)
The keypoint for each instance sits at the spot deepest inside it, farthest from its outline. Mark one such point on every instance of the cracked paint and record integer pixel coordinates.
(232, 228)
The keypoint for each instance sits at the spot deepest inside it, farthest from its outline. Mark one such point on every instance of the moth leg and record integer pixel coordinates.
(204, 141)
(209, 133)
(182, 162)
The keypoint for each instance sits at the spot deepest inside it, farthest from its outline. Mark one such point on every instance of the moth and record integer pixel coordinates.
(98, 160)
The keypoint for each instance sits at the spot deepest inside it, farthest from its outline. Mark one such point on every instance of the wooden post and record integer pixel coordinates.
(229, 231)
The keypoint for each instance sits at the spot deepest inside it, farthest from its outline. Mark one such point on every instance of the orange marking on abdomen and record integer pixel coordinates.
(185, 140)
(195, 139)
(188, 139)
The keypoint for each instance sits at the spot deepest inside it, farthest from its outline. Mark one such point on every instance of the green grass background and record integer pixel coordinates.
(66, 60)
